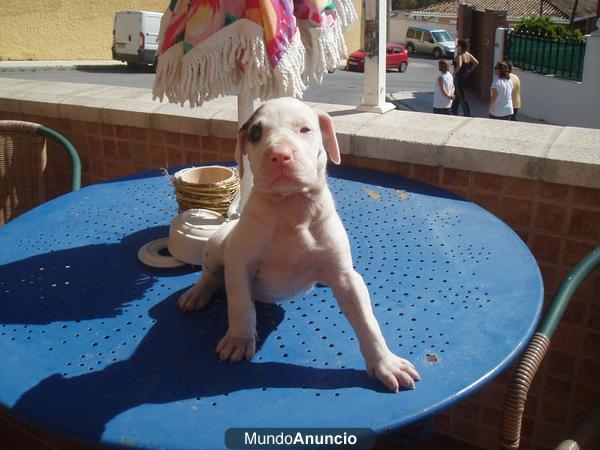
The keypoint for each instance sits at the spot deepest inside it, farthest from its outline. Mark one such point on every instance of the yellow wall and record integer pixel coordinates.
(62, 29)
(78, 29)
(354, 32)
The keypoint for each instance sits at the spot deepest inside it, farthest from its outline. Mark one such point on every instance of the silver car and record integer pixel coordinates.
(433, 41)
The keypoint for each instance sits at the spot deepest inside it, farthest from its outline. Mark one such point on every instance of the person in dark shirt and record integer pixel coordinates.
(464, 65)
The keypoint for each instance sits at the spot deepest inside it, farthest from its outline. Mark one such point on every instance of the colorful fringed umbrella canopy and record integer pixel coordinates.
(257, 48)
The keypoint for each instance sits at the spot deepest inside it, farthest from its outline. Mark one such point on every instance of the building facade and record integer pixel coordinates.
(79, 29)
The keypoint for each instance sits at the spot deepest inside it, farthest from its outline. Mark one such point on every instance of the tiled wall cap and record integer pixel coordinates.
(550, 153)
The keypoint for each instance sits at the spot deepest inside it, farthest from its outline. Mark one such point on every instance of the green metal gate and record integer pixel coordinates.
(541, 54)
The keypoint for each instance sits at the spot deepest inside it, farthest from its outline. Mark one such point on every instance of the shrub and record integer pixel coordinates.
(545, 27)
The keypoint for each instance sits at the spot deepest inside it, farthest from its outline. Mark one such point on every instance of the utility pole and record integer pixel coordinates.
(574, 12)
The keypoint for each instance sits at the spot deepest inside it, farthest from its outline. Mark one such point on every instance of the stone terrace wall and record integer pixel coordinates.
(109, 151)
(559, 221)
(560, 224)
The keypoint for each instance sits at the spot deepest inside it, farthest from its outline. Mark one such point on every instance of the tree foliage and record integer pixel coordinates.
(413, 4)
(546, 27)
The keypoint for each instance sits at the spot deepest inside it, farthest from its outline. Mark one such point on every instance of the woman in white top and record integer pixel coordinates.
(501, 106)
(443, 90)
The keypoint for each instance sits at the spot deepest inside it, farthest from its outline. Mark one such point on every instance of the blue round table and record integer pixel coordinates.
(94, 347)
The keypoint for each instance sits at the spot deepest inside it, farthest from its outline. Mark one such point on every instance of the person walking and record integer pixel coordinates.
(516, 92)
(465, 65)
(501, 106)
(443, 89)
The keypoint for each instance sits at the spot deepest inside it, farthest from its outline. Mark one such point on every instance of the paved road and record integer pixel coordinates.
(412, 90)
(340, 87)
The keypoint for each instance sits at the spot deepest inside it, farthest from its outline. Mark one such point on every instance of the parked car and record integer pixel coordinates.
(433, 41)
(135, 37)
(396, 58)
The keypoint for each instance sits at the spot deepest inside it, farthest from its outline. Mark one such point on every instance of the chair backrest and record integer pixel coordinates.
(532, 357)
(23, 160)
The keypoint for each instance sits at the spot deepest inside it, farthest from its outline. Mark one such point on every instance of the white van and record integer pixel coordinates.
(135, 36)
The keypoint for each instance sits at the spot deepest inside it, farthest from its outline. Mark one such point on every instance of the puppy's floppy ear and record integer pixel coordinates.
(242, 141)
(329, 139)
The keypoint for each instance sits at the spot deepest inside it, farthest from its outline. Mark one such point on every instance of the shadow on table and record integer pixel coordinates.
(174, 362)
(175, 359)
(64, 285)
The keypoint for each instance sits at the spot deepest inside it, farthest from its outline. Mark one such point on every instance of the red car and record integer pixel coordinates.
(396, 58)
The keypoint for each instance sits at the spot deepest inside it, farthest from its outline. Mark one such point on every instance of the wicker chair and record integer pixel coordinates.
(23, 160)
(586, 435)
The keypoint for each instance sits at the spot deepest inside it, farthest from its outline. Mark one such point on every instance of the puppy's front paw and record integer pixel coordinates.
(234, 348)
(394, 372)
(193, 299)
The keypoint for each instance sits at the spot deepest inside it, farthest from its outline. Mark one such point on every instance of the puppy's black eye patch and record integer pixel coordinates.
(255, 133)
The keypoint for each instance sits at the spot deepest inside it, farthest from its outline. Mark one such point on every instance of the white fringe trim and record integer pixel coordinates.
(167, 79)
(346, 12)
(288, 74)
(168, 74)
(164, 24)
(211, 68)
(325, 48)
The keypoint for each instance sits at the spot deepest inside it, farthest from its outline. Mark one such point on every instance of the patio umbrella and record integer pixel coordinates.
(255, 48)
(258, 48)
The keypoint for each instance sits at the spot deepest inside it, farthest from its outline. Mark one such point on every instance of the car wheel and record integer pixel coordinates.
(330, 70)
(410, 48)
(402, 67)
(437, 53)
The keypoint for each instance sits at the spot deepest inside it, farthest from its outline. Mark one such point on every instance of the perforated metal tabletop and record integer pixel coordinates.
(95, 348)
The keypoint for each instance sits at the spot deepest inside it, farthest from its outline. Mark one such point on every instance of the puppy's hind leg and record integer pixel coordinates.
(212, 278)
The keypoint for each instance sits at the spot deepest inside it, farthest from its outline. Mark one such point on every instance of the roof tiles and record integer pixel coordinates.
(514, 8)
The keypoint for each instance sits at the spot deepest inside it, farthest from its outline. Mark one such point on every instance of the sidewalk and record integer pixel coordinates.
(40, 66)
(423, 101)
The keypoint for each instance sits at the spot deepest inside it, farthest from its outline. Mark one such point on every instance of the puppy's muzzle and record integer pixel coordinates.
(279, 156)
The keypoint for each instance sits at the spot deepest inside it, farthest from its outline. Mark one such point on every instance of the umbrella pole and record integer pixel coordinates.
(245, 105)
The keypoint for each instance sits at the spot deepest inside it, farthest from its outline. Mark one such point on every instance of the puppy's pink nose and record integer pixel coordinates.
(279, 155)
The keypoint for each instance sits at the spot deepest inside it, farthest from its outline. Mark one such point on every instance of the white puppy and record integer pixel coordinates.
(288, 238)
